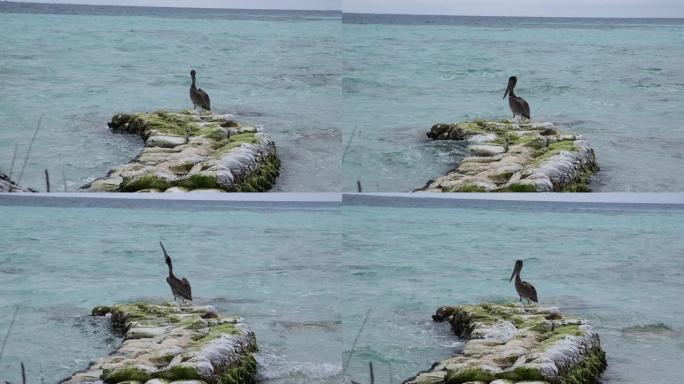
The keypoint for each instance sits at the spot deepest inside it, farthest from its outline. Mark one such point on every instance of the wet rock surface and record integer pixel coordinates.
(186, 152)
(508, 157)
(508, 343)
(8, 185)
(165, 344)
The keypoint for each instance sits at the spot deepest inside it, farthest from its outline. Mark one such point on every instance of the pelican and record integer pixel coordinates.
(525, 289)
(198, 96)
(179, 287)
(517, 104)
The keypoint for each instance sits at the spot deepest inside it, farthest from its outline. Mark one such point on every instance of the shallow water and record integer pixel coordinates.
(77, 66)
(617, 82)
(620, 268)
(276, 268)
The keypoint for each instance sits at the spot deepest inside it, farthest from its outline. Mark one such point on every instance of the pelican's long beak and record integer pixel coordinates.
(163, 249)
(508, 89)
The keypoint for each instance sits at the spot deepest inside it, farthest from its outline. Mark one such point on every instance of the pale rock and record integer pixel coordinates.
(486, 150)
(165, 141)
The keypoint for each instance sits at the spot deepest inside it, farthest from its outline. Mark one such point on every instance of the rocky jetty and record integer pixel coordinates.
(8, 185)
(508, 344)
(164, 344)
(510, 157)
(188, 152)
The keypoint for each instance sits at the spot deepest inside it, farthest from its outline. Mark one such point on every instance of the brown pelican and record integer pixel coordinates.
(179, 287)
(198, 96)
(525, 289)
(518, 105)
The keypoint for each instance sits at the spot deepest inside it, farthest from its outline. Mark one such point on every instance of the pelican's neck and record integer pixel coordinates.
(168, 264)
(511, 93)
(518, 280)
(193, 82)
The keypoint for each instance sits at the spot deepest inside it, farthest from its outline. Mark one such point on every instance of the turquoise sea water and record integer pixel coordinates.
(275, 267)
(77, 66)
(620, 268)
(617, 82)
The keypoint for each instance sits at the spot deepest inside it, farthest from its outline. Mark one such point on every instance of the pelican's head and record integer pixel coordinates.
(516, 269)
(167, 258)
(193, 73)
(512, 81)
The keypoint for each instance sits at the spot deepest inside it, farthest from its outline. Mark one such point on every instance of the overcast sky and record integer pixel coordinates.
(569, 8)
(556, 8)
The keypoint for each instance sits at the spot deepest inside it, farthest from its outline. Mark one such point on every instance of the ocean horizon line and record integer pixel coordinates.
(291, 10)
(343, 12)
(509, 17)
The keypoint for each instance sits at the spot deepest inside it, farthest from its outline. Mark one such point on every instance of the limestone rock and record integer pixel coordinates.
(509, 157)
(164, 344)
(510, 344)
(486, 150)
(165, 141)
(185, 152)
(8, 185)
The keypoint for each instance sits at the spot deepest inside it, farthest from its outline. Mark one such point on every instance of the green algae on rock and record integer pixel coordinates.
(187, 152)
(508, 343)
(510, 157)
(164, 344)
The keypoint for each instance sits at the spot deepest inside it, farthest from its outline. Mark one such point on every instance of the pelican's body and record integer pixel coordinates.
(180, 288)
(525, 290)
(518, 105)
(198, 97)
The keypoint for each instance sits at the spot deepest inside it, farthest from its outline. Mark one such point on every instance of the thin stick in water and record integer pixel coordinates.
(28, 151)
(23, 373)
(356, 339)
(358, 186)
(346, 149)
(14, 157)
(47, 181)
(9, 330)
(372, 377)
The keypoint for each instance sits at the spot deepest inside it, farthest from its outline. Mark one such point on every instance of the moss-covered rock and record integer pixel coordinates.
(185, 152)
(163, 343)
(509, 157)
(242, 373)
(507, 343)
